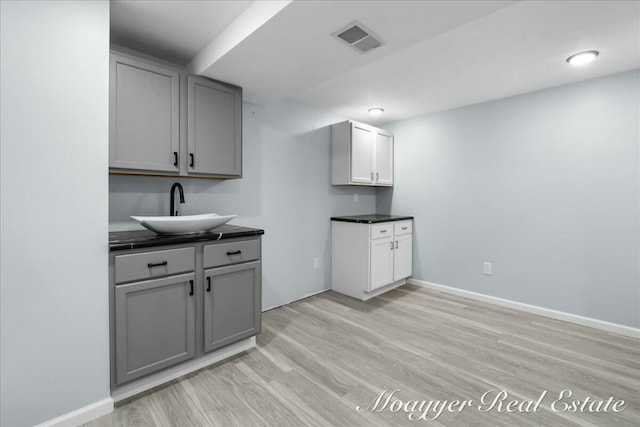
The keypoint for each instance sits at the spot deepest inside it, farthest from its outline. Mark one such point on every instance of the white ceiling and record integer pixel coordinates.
(437, 54)
(171, 29)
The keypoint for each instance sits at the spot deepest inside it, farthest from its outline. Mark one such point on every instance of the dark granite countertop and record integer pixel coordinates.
(370, 219)
(135, 239)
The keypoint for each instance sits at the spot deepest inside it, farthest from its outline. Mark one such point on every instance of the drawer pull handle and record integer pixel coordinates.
(190, 287)
(208, 284)
(157, 264)
(391, 245)
(404, 228)
(383, 231)
(377, 176)
(396, 244)
(193, 160)
(238, 252)
(175, 158)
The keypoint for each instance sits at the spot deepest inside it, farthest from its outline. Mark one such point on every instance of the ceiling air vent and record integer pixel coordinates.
(359, 37)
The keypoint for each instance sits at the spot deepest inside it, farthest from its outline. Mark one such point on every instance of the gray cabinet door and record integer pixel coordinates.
(232, 304)
(144, 116)
(214, 130)
(154, 325)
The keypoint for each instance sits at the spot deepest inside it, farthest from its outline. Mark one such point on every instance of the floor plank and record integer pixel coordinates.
(319, 359)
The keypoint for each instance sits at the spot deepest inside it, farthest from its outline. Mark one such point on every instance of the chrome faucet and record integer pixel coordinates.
(175, 185)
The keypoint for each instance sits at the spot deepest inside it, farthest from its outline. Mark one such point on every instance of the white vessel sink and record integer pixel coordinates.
(183, 224)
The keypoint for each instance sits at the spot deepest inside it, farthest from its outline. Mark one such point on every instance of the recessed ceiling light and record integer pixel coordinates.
(582, 58)
(376, 111)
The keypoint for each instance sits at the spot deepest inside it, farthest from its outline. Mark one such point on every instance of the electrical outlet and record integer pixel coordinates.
(355, 198)
(487, 268)
(316, 263)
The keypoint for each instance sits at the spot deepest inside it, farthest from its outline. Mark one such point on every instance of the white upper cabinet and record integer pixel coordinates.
(361, 155)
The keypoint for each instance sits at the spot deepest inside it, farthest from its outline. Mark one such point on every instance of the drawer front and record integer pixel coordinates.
(147, 265)
(379, 231)
(402, 227)
(231, 253)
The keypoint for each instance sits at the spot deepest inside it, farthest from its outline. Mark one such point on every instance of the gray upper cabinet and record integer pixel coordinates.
(165, 122)
(144, 116)
(154, 325)
(232, 304)
(214, 130)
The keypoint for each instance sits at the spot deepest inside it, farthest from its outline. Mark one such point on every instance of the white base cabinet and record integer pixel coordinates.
(369, 259)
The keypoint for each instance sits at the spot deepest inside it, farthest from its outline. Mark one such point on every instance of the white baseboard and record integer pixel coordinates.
(105, 406)
(297, 299)
(168, 374)
(82, 415)
(366, 296)
(554, 314)
(316, 293)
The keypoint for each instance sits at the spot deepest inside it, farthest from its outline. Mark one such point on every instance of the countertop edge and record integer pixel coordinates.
(371, 221)
(159, 240)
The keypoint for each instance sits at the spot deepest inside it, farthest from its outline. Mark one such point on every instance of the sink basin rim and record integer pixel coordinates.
(184, 224)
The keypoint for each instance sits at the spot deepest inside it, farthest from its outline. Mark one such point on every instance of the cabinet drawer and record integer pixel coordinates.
(402, 227)
(378, 231)
(231, 253)
(147, 265)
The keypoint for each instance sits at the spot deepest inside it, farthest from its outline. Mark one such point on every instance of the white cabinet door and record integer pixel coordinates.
(381, 257)
(362, 141)
(402, 260)
(384, 159)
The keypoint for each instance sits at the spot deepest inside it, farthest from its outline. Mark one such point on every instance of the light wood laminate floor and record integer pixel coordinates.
(319, 358)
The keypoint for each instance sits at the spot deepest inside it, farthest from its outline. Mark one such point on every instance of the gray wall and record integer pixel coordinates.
(286, 190)
(544, 185)
(54, 192)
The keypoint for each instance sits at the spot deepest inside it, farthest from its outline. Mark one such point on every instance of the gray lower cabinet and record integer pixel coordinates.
(177, 303)
(214, 130)
(144, 116)
(232, 304)
(154, 325)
